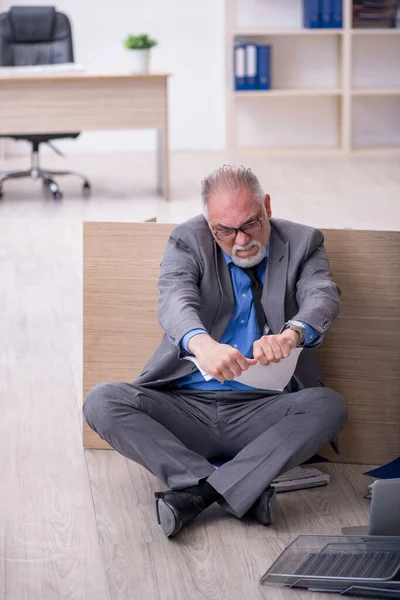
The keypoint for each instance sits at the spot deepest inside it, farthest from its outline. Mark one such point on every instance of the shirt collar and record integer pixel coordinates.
(229, 261)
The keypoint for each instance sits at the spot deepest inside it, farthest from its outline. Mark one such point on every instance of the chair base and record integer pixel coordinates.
(47, 176)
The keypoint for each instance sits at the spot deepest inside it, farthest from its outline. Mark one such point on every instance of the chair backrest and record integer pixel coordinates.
(35, 35)
(360, 356)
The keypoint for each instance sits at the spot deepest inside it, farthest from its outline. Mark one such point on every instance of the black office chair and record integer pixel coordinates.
(37, 35)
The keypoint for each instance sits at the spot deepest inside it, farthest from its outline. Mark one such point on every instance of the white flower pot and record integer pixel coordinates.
(140, 61)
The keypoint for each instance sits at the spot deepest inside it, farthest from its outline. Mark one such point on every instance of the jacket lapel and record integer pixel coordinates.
(273, 296)
(226, 301)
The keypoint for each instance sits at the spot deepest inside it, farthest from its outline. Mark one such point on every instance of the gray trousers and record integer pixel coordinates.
(175, 433)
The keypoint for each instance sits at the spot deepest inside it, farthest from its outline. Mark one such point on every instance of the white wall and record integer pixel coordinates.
(191, 47)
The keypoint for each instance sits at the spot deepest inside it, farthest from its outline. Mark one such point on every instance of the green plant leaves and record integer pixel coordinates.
(139, 42)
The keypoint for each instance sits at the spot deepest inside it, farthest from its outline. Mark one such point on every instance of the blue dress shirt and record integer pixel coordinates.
(241, 333)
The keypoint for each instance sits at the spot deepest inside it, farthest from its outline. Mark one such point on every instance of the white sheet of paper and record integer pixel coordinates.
(194, 360)
(274, 376)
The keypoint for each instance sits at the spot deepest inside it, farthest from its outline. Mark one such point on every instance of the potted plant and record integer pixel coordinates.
(139, 46)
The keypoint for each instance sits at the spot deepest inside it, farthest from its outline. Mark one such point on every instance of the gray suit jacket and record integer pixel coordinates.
(196, 292)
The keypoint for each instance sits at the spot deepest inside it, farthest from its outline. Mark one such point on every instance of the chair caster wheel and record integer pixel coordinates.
(55, 191)
(86, 189)
(1, 193)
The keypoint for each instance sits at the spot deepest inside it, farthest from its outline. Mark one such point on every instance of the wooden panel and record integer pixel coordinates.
(359, 358)
(120, 331)
(81, 103)
(366, 266)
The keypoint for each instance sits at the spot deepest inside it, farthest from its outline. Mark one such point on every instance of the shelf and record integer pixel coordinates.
(286, 93)
(334, 90)
(376, 150)
(375, 31)
(249, 32)
(295, 151)
(376, 91)
(300, 31)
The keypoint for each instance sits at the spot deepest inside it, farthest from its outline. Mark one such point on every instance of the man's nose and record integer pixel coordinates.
(241, 238)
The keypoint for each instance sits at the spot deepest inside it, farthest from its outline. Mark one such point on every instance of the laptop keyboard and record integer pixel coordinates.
(371, 565)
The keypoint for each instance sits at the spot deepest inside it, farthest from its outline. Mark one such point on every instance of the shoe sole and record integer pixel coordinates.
(271, 510)
(272, 506)
(166, 518)
(267, 517)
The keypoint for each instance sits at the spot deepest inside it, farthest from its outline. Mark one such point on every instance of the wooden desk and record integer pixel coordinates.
(62, 102)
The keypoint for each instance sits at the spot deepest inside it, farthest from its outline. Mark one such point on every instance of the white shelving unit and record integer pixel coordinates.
(333, 90)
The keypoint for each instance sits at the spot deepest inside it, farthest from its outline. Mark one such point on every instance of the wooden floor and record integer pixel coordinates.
(78, 525)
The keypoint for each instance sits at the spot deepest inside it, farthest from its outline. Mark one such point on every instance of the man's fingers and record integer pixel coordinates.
(231, 361)
(263, 360)
(230, 366)
(259, 355)
(286, 348)
(244, 363)
(227, 374)
(221, 375)
(235, 365)
(275, 350)
(270, 349)
(235, 368)
(263, 352)
(269, 353)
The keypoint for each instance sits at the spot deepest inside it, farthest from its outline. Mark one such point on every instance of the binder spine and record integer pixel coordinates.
(326, 14)
(311, 14)
(337, 14)
(264, 67)
(239, 67)
(251, 66)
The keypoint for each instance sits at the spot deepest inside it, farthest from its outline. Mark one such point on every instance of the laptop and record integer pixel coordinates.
(384, 518)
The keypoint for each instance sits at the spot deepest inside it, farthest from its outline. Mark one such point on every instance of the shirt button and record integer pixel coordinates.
(235, 345)
(242, 321)
(244, 295)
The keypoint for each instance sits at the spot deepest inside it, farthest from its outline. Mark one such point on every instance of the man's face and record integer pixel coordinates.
(227, 211)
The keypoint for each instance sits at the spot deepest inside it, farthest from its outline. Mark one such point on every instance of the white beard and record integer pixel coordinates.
(251, 261)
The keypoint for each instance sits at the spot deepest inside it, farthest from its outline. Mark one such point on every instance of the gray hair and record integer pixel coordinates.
(230, 178)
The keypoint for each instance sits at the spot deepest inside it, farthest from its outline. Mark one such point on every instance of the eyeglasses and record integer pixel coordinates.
(230, 233)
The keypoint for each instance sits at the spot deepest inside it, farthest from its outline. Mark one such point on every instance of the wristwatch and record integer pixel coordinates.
(298, 327)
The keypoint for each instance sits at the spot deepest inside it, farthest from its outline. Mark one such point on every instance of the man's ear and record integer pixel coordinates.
(267, 204)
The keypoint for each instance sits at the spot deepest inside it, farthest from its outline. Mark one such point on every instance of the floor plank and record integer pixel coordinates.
(50, 547)
(217, 554)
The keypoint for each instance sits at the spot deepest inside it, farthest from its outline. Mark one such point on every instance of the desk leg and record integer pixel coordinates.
(163, 163)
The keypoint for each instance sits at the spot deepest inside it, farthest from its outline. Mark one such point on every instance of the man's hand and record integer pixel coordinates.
(273, 348)
(219, 360)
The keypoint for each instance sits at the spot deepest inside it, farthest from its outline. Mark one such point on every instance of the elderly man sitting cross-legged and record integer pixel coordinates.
(237, 287)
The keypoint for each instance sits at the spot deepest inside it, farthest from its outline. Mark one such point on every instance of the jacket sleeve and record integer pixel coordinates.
(180, 300)
(317, 295)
